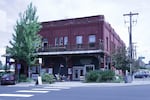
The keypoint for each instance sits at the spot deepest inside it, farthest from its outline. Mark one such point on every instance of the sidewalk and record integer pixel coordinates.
(81, 84)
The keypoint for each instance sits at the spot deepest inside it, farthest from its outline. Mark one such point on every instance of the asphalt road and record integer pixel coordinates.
(141, 92)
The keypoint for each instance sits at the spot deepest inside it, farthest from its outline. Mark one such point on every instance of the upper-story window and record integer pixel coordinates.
(61, 41)
(56, 41)
(44, 42)
(92, 40)
(65, 40)
(79, 41)
(107, 43)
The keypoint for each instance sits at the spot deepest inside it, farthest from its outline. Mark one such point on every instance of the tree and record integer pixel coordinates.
(1, 65)
(120, 59)
(25, 41)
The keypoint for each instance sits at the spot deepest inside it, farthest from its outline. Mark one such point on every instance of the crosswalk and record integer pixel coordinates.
(31, 92)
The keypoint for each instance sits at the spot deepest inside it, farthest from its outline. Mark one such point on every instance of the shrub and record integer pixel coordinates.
(91, 76)
(118, 79)
(48, 78)
(107, 75)
(99, 76)
(22, 78)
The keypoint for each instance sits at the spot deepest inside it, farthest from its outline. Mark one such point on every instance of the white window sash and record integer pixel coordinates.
(92, 39)
(65, 40)
(79, 40)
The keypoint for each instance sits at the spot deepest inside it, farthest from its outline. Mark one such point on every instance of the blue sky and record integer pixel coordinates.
(113, 11)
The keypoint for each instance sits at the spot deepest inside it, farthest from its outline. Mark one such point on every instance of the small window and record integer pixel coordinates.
(45, 42)
(56, 41)
(65, 40)
(92, 40)
(78, 39)
(107, 43)
(61, 41)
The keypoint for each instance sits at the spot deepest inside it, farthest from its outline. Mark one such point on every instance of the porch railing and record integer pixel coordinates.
(91, 46)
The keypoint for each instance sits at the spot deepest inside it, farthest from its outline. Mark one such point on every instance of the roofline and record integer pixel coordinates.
(74, 18)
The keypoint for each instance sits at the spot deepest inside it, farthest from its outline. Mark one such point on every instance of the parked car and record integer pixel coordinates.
(8, 79)
(142, 74)
(2, 72)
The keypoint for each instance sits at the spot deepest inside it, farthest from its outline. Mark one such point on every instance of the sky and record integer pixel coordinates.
(113, 10)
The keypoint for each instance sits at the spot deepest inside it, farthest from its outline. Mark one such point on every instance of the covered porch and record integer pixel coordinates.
(72, 64)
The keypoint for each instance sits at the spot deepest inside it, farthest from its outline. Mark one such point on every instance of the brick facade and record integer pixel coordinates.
(78, 44)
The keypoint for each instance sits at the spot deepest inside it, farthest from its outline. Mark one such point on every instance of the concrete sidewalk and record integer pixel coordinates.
(81, 84)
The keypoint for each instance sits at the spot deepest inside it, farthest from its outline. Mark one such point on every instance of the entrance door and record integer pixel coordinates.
(77, 73)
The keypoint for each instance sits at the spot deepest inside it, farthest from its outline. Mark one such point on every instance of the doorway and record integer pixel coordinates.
(78, 72)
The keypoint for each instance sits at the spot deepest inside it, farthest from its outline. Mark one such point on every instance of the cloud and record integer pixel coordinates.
(3, 20)
(113, 10)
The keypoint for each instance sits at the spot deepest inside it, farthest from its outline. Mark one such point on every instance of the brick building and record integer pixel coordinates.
(72, 47)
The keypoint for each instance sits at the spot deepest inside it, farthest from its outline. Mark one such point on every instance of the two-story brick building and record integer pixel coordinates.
(71, 47)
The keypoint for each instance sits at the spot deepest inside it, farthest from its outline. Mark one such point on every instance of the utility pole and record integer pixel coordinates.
(134, 56)
(130, 38)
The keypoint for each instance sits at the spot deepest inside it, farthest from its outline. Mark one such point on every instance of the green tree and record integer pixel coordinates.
(1, 65)
(25, 41)
(136, 65)
(120, 59)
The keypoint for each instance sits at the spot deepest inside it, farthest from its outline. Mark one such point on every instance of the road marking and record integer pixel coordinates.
(58, 87)
(31, 91)
(16, 95)
(41, 89)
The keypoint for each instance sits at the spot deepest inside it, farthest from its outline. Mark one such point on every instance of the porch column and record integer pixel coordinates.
(69, 67)
(101, 61)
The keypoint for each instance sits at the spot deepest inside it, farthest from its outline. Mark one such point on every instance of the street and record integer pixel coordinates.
(139, 92)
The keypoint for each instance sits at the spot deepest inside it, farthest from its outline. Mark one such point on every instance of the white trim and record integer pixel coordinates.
(70, 52)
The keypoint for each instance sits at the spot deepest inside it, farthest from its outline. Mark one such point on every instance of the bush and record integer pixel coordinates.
(22, 78)
(118, 79)
(107, 75)
(100, 76)
(91, 76)
(48, 78)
